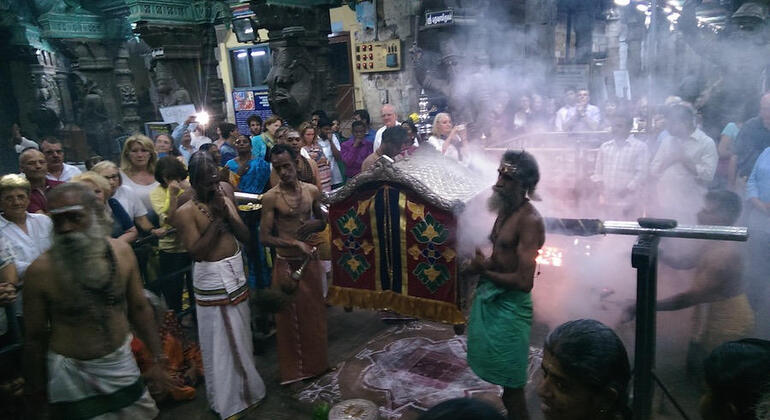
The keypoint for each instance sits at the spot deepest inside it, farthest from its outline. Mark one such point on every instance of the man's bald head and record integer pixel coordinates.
(764, 110)
(388, 114)
(32, 164)
(28, 153)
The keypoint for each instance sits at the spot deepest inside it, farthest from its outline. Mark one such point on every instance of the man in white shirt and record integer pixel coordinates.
(199, 137)
(54, 156)
(581, 116)
(20, 142)
(621, 170)
(684, 166)
(389, 119)
(331, 148)
(197, 133)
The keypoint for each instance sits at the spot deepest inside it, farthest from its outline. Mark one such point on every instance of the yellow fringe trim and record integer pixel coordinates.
(422, 308)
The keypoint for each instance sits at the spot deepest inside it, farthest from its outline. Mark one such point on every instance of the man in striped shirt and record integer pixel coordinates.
(621, 168)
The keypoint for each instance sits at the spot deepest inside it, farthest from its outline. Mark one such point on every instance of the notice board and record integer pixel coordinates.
(247, 103)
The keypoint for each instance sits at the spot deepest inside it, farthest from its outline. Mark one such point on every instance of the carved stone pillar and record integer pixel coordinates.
(97, 104)
(214, 98)
(46, 111)
(299, 80)
(124, 83)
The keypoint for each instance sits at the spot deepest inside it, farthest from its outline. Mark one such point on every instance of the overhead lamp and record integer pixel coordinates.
(622, 2)
(244, 30)
(642, 7)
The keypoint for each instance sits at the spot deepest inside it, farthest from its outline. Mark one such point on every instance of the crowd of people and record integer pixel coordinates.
(99, 247)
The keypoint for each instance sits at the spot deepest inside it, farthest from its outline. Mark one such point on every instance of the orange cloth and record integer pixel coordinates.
(301, 324)
(182, 356)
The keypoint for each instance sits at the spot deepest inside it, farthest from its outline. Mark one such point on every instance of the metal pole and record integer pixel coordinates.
(644, 258)
(652, 55)
(592, 227)
(568, 41)
(242, 197)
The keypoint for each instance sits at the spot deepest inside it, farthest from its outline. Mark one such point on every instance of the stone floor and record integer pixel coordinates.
(349, 332)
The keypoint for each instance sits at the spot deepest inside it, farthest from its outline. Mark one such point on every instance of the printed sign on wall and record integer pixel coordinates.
(247, 103)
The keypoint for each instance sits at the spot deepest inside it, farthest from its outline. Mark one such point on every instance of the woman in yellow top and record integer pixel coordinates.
(171, 174)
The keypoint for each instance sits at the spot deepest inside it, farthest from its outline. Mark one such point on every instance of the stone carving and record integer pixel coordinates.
(169, 93)
(93, 117)
(299, 80)
(127, 94)
(48, 98)
(741, 52)
(290, 80)
(460, 92)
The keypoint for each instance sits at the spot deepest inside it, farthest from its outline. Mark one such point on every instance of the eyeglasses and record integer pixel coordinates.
(115, 176)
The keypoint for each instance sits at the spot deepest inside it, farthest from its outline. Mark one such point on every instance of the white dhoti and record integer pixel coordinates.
(232, 381)
(107, 388)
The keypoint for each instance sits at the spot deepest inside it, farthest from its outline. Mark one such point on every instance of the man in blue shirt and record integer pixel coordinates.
(753, 138)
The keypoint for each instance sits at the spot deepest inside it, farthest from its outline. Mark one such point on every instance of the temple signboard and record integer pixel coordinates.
(247, 103)
(443, 17)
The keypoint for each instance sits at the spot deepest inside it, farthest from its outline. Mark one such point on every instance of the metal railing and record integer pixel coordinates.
(644, 258)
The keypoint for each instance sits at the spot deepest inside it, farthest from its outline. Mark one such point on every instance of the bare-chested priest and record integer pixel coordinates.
(291, 214)
(79, 299)
(210, 229)
(501, 314)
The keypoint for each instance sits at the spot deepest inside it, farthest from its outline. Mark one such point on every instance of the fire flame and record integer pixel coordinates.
(549, 255)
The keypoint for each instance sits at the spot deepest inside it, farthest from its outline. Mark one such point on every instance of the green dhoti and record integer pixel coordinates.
(498, 334)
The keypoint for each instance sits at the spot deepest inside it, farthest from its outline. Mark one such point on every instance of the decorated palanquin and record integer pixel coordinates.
(394, 237)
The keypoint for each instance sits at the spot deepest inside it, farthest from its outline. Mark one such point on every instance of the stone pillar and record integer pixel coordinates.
(97, 107)
(124, 83)
(214, 95)
(299, 80)
(174, 64)
(46, 105)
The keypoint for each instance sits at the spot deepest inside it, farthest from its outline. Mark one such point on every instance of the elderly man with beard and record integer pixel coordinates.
(501, 315)
(78, 361)
(211, 229)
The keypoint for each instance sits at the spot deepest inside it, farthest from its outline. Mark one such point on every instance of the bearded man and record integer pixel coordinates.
(78, 361)
(210, 229)
(501, 315)
(291, 214)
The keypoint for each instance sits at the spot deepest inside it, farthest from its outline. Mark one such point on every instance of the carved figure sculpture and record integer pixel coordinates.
(290, 81)
(169, 93)
(93, 117)
(445, 77)
(46, 116)
(741, 52)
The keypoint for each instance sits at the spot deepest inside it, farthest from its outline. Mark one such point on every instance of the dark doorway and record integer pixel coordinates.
(342, 72)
